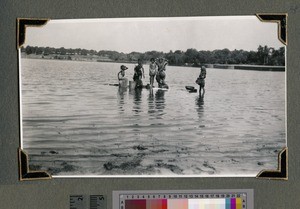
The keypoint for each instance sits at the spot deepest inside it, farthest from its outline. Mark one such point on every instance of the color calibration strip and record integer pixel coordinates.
(228, 203)
(183, 200)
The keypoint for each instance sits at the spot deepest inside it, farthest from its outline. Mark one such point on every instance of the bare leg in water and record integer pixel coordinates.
(201, 88)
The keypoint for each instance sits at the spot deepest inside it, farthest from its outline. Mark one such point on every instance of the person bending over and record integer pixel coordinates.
(161, 74)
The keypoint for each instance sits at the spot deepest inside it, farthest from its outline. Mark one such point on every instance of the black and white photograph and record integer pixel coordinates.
(153, 97)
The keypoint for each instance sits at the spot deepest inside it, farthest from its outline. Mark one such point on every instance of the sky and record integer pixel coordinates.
(159, 34)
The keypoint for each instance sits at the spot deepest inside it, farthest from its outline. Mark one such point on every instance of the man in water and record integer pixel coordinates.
(123, 82)
(138, 74)
(201, 80)
(161, 75)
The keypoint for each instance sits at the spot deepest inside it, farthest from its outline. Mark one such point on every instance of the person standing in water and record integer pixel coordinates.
(138, 74)
(152, 71)
(123, 82)
(161, 75)
(201, 80)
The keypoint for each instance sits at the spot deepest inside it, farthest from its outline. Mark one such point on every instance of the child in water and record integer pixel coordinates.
(201, 80)
(139, 74)
(152, 71)
(121, 77)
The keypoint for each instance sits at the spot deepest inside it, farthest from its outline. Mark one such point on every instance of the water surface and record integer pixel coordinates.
(76, 124)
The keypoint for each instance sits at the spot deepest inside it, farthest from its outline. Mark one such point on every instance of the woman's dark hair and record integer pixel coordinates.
(152, 59)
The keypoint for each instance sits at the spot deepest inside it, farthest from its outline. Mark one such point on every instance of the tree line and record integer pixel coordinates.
(263, 56)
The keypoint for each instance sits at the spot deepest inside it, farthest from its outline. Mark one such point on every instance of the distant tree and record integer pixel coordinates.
(260, 55)
(133, 56)
(57, 51)
(84, 52)
(263, 56)
(191, 57)
(221, 56)
(28, 50)
(39, 50)
(177, 58)
(78, 50)
(62, 51)
(122, 57)
(47, 51)
(92, 52)
(281, 56)
(204, 57)
(252, 57)
(277, 57)
(34, 49)
(238, 57)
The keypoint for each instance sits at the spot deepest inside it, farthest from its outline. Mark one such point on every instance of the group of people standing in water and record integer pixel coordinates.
(157, 68)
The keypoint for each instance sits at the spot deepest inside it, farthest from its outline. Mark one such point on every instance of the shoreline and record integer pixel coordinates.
(99, 59)
(247, 67)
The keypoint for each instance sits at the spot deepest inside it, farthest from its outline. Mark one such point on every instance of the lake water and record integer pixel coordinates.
(76, 124)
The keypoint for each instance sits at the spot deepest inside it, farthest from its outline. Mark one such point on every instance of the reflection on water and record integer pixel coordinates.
(155, 102)
(160, 99)
(74, 123)
(121, 98)
(160, 102)
(137, 100)
(151, 102)
(200, 105)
